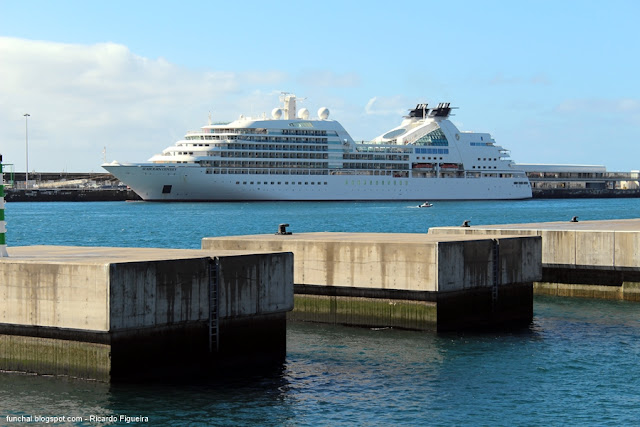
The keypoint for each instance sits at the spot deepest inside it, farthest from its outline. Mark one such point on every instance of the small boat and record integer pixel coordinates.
(425, 205)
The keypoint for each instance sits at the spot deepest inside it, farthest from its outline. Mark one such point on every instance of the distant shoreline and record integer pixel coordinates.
(124, 194)
(103, 186)
(70, 195)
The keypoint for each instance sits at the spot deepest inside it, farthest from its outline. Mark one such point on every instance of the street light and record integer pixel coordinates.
(26, 144)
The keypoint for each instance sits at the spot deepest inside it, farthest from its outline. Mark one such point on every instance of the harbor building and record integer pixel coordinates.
(570, 181)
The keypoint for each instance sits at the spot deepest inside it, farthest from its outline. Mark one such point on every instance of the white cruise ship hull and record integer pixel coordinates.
(295, 157)
(192, 183)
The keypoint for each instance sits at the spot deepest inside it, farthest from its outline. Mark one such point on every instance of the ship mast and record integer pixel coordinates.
(289, 101)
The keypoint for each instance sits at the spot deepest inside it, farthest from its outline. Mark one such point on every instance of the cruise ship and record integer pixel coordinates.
(291, 156)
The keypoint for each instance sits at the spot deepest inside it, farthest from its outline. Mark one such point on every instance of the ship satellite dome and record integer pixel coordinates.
(323, 113)
(276, 113)
(303, 114)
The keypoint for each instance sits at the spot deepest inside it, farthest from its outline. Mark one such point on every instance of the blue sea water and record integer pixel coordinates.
(183, 225)
(577, 363)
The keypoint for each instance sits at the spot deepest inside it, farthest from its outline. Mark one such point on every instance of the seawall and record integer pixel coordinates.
(583, 193)
(411, 281)
(70, 195)
(114, 314)
(597, 259)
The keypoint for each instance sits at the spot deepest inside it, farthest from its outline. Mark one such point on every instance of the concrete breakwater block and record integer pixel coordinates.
(124, 313)
(597, 259)
(412, 281)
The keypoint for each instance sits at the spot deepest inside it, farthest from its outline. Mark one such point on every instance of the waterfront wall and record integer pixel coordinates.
(120, 194)
(412, 281)
(71, 195)
(583, 193)
(120, 313)
(583, 259)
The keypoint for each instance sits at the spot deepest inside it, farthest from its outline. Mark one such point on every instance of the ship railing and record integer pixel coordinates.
(369, 172)
(630, 176)
(378, 149)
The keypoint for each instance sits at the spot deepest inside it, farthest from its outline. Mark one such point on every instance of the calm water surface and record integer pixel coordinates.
(183, 225)
(577, 364)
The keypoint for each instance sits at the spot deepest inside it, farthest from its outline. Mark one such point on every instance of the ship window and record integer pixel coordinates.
(433, 138)
(166, 189)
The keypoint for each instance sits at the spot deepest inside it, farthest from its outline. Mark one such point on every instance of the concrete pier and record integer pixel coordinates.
(122, 313)
(412, 281)
(597, 259)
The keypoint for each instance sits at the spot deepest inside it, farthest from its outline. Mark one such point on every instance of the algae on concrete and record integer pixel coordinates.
(369, 312)
(629, 291)
(48, 356)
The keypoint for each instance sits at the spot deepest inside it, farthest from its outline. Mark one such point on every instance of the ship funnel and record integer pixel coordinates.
(289, 100)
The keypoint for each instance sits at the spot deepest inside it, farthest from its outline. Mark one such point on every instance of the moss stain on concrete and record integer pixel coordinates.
(369, 312)
(48, 356)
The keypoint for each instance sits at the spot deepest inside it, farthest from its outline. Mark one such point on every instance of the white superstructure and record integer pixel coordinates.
(294, 157)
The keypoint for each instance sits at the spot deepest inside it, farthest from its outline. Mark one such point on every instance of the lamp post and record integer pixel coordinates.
(26, 144)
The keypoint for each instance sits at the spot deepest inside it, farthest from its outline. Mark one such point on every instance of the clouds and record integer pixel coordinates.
(108, 75)
(85, 97)
(391, 105)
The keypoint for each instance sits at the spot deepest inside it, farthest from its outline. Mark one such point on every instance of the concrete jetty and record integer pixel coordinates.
(597, 259)
(122, 313)
(412, 281)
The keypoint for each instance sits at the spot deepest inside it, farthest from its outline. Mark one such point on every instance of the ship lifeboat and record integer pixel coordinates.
(449, 166)
(422, 166)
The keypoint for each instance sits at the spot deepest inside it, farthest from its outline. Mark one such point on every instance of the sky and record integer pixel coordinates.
(553, 82)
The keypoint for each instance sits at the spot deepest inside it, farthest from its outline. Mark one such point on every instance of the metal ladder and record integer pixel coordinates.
(214, 329)
(496, 274)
